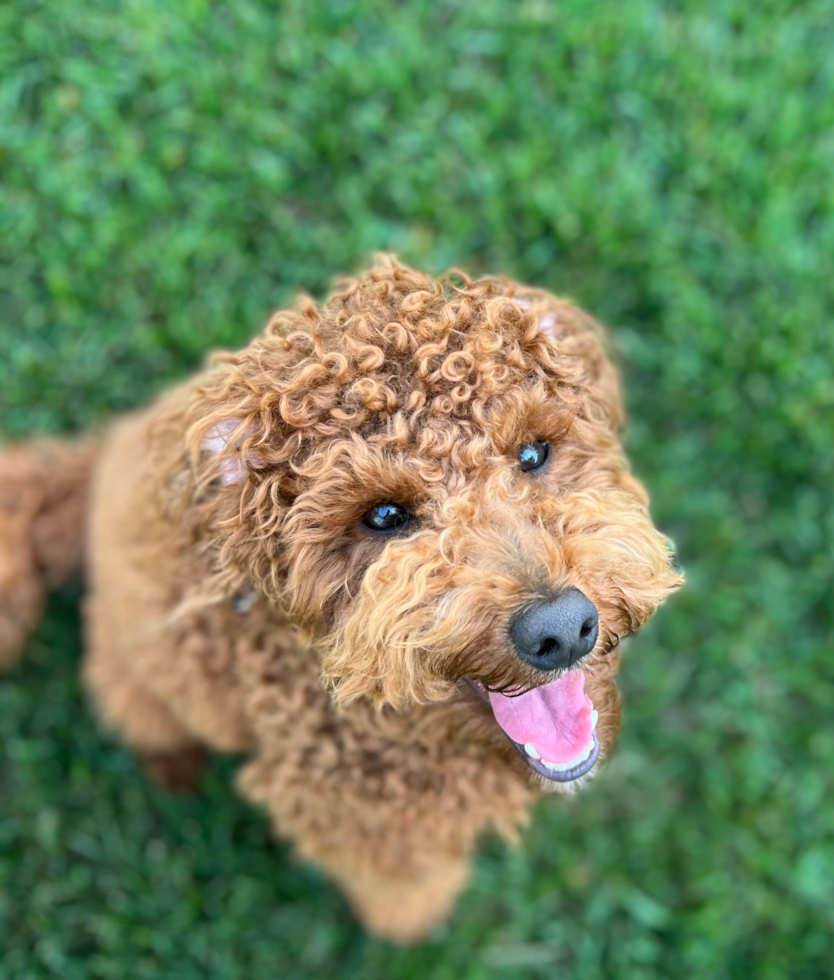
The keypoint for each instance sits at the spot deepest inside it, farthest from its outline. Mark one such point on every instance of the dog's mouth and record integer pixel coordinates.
(552, 727)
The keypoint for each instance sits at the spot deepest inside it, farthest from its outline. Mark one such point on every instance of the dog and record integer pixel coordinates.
(388, 551)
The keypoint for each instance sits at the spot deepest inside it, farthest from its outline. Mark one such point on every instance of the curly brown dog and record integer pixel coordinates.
(389, 550)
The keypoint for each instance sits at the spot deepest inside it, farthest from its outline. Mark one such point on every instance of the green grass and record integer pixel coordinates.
(170, 172)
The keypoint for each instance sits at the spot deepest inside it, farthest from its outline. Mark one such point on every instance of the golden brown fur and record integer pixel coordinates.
(43, 498)
(237, 603)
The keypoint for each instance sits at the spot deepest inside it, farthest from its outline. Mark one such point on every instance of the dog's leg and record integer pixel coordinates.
(400, 863)
(403, 910)
(168, 753)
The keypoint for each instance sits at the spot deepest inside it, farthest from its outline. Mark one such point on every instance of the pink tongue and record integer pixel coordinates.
(555, 718)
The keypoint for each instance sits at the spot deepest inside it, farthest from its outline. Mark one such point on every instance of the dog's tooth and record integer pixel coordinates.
(594, 720)
(567, 766)
(530, 749)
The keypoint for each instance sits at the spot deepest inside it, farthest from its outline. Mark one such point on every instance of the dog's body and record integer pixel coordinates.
(325, 552)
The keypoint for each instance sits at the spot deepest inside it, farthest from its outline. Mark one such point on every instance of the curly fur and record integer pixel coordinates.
(237, 602)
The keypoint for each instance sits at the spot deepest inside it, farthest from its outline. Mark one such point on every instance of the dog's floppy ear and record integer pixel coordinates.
(227, 425)
(547, 322)
(224, 490)
(582, 341)
(224, 442)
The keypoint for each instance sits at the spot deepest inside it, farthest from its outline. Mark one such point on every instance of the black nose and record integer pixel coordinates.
(556, 632)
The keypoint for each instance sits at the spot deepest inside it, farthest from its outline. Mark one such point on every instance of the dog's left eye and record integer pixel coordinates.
(533, 455)
(386, 517)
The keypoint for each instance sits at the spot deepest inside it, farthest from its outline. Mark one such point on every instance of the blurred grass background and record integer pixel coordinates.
(172, 172)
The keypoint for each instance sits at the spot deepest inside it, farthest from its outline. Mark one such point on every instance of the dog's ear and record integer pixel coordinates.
(222, 444)
(579, 338)
(546, 320)
(559, 319)
(224, 489)
(226, 427)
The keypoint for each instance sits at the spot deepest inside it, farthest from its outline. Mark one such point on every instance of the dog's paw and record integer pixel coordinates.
(405, 912)
(177, 771)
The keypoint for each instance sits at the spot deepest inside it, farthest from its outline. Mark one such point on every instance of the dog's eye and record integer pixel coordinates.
(386, 517)
(533, 455)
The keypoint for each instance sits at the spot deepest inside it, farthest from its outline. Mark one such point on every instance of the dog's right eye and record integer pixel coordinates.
(386, 517)
(533, 455)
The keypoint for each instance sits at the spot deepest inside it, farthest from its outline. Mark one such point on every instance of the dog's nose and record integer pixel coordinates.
(556, 632)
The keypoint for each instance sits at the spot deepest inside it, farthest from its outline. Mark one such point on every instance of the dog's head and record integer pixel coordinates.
(428, 475)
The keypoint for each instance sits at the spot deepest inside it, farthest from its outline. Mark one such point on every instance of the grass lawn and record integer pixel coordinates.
(171, 172)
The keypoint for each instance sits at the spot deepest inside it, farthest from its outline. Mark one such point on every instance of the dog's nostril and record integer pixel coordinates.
(548, 647)
(556, 633)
